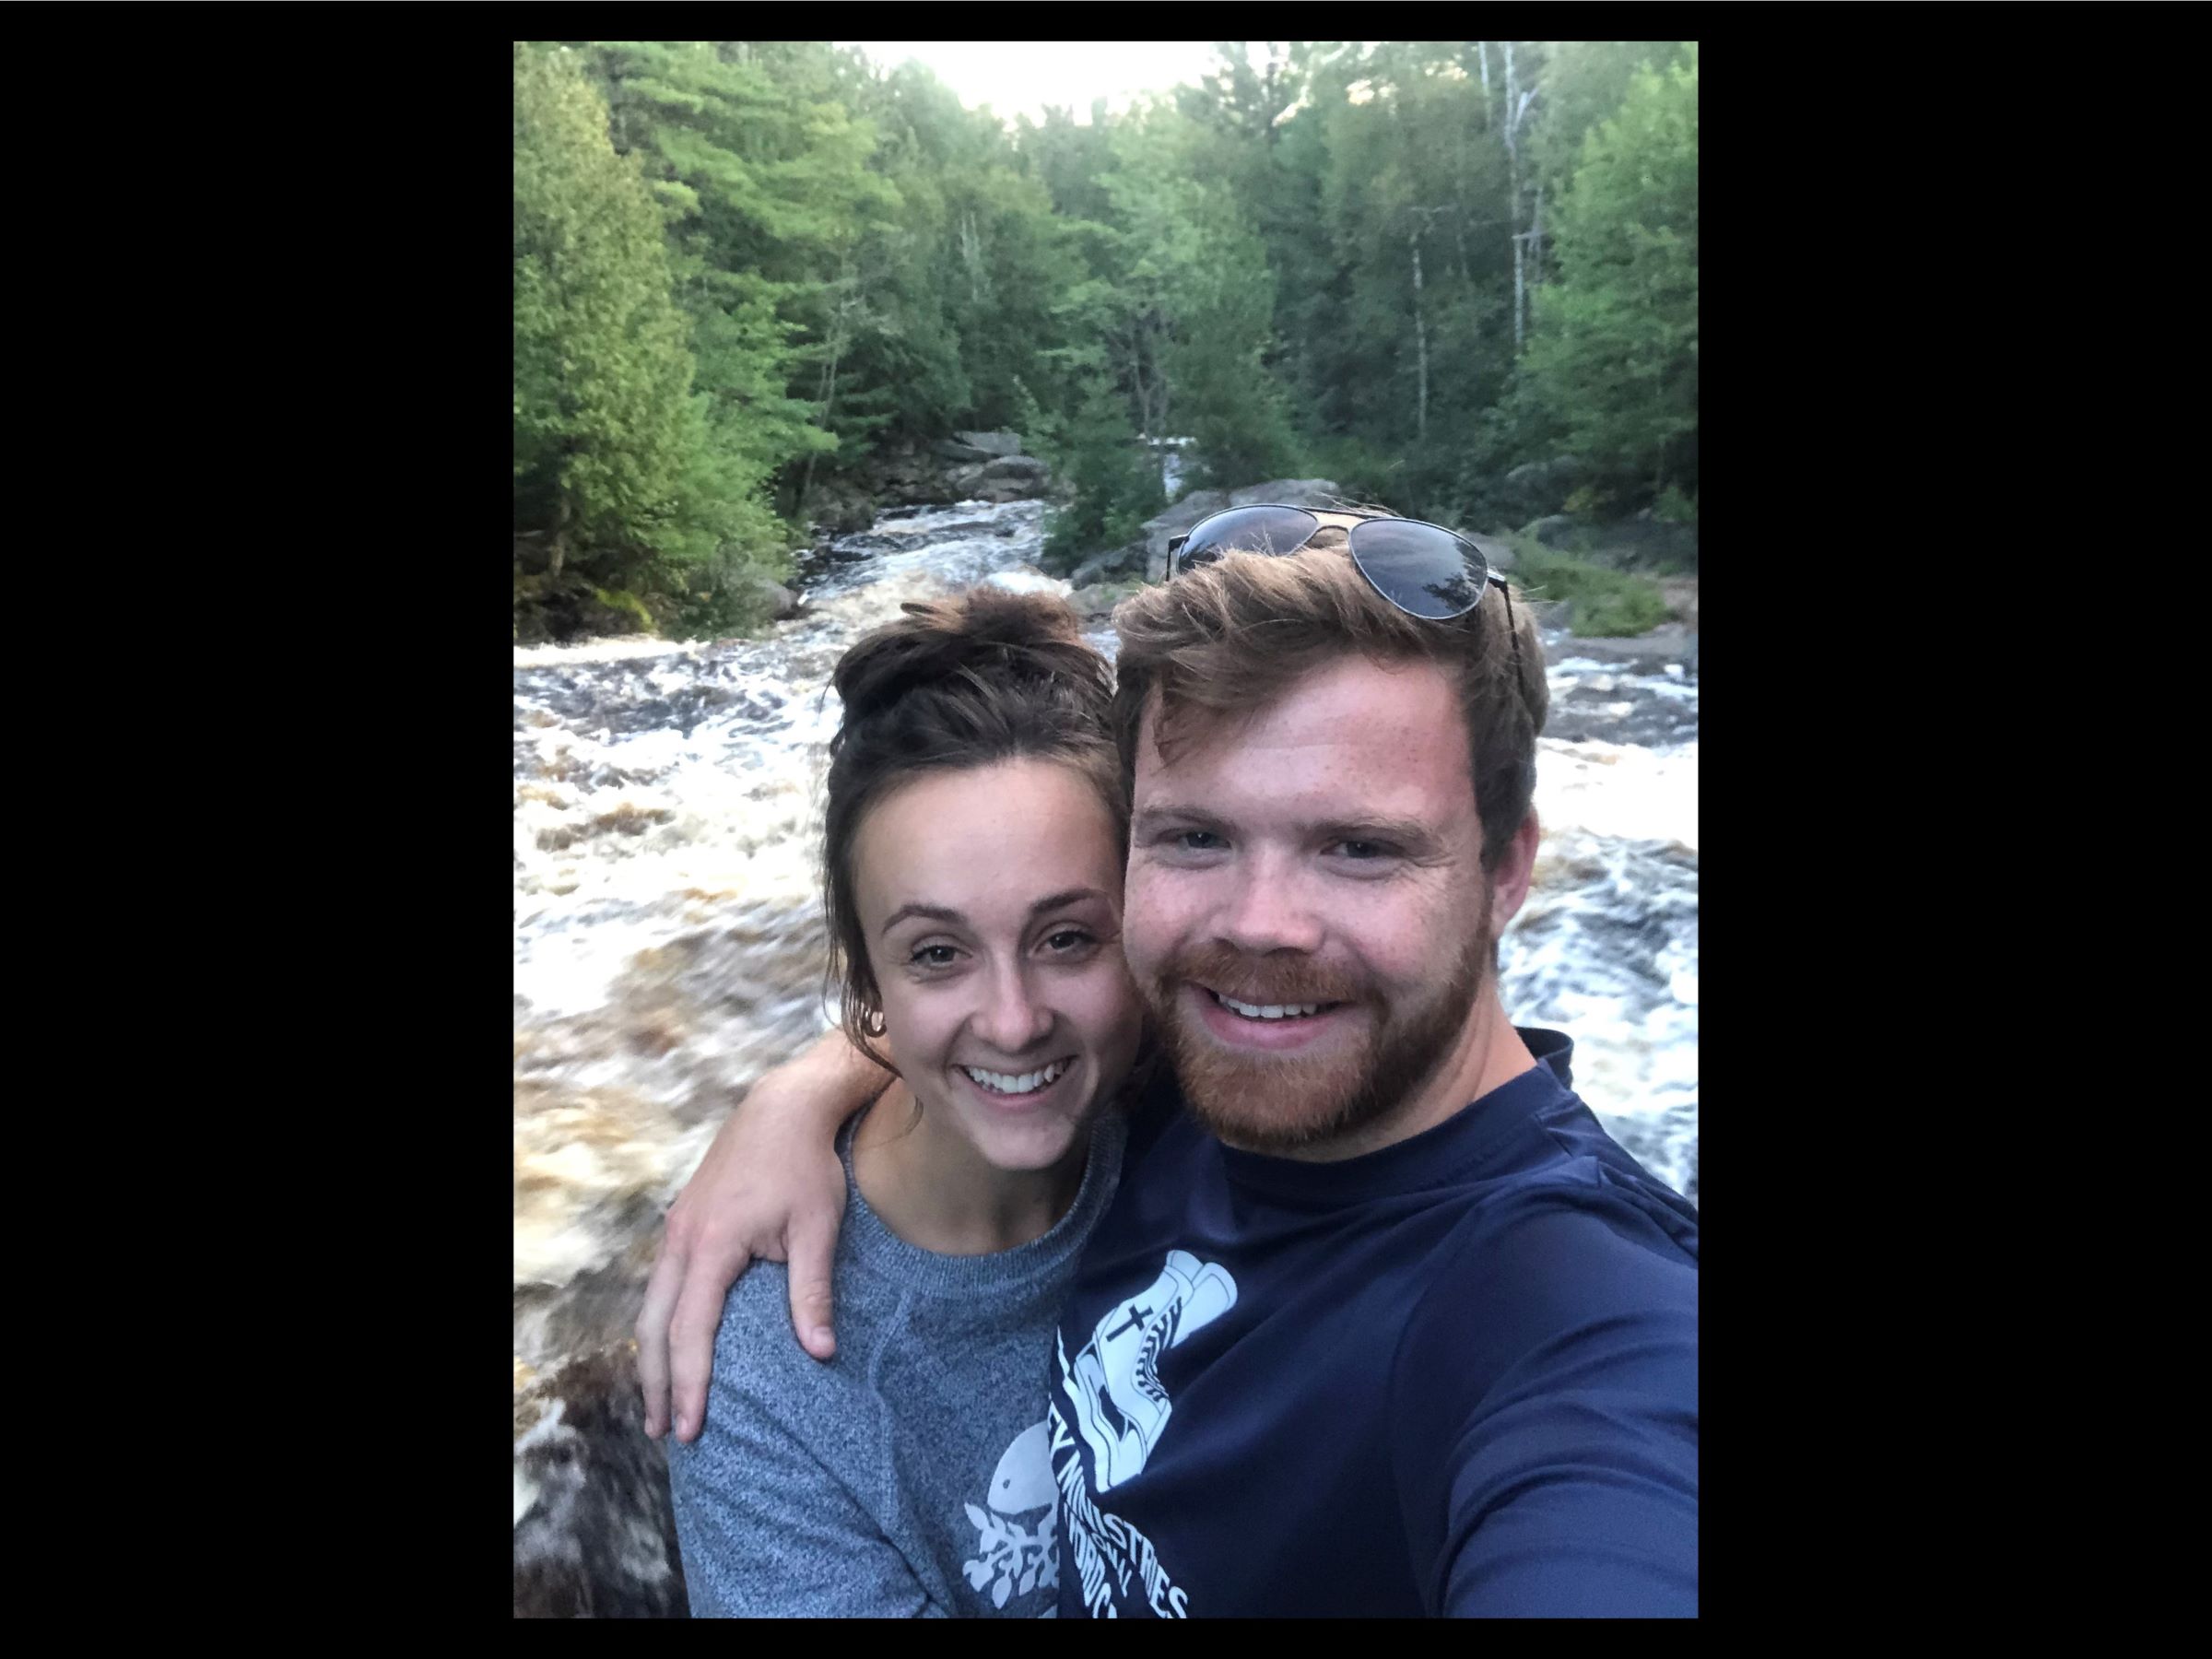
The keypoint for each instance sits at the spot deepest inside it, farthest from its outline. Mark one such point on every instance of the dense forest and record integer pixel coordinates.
(1460, 278)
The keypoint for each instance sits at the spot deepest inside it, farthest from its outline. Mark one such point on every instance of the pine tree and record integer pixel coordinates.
(607, 440)
(1617, 353)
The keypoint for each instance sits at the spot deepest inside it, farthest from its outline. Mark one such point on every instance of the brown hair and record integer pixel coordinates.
(1226, 639)
(955, 684)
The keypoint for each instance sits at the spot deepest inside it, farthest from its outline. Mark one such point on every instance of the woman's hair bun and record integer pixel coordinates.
(988, 638)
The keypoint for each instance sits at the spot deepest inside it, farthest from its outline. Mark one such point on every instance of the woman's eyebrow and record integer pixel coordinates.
(938, 912)
(933, 913)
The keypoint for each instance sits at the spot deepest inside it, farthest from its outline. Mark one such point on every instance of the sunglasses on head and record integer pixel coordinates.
(1425, 570)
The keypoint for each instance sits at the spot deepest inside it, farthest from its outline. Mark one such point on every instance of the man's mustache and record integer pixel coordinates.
(1262, 979)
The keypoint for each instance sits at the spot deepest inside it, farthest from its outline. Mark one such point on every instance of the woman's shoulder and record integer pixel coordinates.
(756, 1353)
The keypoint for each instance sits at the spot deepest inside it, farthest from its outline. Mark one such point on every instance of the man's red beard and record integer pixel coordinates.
(1277, 1103)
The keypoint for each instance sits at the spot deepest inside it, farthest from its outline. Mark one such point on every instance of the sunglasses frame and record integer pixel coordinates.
(1490, 577)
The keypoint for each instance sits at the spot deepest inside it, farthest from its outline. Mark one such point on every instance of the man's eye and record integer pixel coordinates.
(1198, 841)
(1363, 849)
(933, 955)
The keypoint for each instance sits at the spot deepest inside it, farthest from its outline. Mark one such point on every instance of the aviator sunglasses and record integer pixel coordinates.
(1425, 570)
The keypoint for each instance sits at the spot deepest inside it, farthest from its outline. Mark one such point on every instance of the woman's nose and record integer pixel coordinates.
(1015, 1018)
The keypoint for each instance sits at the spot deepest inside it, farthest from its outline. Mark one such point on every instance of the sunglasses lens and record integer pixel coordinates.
(1247, 530)
(1420, 568)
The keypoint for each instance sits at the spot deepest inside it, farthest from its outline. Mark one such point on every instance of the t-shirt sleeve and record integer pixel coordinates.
(766, 1527)
(1548, 1427)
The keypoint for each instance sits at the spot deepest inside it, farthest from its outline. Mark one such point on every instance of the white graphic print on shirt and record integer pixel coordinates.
(1013, 1558)
(1113, 1391)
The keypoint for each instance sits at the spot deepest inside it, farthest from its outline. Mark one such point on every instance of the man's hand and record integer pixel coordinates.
(771, 1188)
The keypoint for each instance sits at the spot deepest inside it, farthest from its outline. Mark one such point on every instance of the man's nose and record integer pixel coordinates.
(1014, 1016)
(1267, 908)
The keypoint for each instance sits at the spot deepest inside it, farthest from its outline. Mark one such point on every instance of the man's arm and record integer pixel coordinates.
(771, 1187)
(1563, 1482)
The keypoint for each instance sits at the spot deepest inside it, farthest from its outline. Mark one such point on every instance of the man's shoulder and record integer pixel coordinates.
(1575, 1259)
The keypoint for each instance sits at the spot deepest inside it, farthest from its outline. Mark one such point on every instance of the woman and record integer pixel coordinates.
(972, 866)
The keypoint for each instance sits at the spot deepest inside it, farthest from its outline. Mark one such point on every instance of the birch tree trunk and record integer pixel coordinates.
(1421, 344)
(838, 318)
(1535, 239)
(1513, 167)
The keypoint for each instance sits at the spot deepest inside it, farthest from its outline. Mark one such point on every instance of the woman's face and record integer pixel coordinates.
(991, 901)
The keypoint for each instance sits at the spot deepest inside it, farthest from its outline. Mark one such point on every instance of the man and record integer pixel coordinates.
(1381, 1321)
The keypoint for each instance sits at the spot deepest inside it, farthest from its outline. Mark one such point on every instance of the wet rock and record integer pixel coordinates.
(1539, 486)
(594, 1529)
(1114, 564)
(1289, 492)
(1099, 599)
(1668, 642)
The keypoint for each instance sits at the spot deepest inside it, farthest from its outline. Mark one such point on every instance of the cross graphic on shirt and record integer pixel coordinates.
(1136, 1316)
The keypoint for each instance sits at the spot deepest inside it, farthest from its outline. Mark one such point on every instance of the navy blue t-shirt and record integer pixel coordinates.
(1458, 1375)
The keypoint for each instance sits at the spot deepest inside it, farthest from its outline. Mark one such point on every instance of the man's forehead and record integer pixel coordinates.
(1371, 713)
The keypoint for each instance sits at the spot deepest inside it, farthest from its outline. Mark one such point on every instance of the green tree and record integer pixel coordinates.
(609, 447)
(1616, 353)
(763, 171)
(1115, 480)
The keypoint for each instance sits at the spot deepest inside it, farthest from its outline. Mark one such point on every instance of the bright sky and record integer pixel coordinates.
(1020, 77)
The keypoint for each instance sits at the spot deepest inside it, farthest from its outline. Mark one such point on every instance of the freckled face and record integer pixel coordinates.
(1308, 915)
(992, 901)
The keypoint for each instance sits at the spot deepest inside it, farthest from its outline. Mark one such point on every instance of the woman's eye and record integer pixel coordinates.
(933, 955)
(1067, 939)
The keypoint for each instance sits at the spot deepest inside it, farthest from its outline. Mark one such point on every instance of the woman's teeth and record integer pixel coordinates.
(1267, 1010)
(1018, 1083)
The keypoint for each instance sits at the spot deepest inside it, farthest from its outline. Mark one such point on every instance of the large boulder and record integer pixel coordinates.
(1201, 503)
(779, 601)
(1099, 599)
(992, 444)
(1012, 479)
(1022, 468)
(1163, 527)
(1536, 487)
(952, 449)
(1552, 531)
(1116, 564)
(1289, 492)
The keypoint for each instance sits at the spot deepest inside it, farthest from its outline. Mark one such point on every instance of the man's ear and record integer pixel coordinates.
(1509, 881)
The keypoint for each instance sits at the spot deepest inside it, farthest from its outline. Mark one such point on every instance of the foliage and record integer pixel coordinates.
(1602, 601)
(746, 271)
(1115, 481)
(608, 435)
(1616, 352)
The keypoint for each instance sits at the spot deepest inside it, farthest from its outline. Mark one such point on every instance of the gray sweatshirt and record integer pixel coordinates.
(911, 1475)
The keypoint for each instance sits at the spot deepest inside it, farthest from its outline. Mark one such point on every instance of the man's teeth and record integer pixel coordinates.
(1267, 1010)
(1018, 1083)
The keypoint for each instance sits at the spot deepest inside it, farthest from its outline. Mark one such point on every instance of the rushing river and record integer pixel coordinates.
(669, 946)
